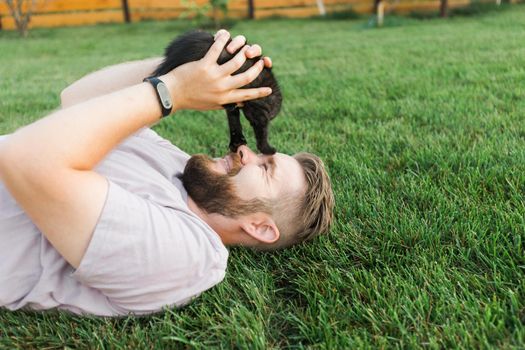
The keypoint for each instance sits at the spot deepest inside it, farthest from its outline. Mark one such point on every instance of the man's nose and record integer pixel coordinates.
(246, 155)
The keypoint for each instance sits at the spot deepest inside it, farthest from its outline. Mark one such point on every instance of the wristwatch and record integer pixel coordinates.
(162, 94)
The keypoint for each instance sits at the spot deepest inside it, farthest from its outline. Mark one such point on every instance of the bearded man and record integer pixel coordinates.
(100, 215)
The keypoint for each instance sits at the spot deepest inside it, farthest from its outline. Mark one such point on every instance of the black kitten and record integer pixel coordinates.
(193, 46)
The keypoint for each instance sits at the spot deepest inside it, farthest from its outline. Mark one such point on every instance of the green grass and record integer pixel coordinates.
(422, 127)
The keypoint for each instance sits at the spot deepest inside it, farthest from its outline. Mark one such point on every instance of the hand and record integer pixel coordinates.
(205, 85)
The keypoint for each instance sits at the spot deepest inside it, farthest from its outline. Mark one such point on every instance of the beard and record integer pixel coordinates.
(214, 192)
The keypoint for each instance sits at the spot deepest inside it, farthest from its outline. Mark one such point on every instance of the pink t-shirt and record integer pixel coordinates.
(148, 250)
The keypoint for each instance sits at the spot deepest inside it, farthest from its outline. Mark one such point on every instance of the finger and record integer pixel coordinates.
(236, 44)
(235, 63)
(254, 51)
(219, 32)
(241, 95)
(267, 62)
(247, 77)
(215, 50)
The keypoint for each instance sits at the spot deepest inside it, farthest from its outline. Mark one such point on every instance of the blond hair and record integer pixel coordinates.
(309, 215)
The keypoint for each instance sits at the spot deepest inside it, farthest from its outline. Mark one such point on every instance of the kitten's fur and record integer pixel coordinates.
(193, 46)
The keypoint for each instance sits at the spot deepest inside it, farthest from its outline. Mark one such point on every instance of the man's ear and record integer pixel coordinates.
(261, 227)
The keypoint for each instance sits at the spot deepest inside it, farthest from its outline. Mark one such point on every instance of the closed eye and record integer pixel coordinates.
(268, 166)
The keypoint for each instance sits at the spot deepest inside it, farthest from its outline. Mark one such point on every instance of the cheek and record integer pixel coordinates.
(250, 183)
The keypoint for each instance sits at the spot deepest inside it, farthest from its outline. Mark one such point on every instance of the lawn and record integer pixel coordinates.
(421, 124)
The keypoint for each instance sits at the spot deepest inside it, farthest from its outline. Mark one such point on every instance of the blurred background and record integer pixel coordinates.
(26, 14)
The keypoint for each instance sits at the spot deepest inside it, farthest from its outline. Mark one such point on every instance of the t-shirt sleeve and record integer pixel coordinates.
(151, 135)
(143, 256)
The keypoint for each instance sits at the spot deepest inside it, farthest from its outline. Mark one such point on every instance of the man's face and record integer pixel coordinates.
(241, 182)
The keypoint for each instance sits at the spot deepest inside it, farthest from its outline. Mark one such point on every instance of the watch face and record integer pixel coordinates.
(164, 94)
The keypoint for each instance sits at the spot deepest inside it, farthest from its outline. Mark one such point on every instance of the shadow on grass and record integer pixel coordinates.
(416, 17)
(470, 10)
(167, 26)
(344, 15)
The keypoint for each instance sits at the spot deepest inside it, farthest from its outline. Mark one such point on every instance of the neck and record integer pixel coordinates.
(226, 228)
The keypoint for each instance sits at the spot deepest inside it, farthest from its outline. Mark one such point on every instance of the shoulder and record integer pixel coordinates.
(143, 256)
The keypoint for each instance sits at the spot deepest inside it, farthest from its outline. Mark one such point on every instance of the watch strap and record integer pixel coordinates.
(155, 82)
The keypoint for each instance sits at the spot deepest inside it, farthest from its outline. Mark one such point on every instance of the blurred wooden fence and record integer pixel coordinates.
(53, 13)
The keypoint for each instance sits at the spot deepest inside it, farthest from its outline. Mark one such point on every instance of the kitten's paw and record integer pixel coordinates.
(234, 145)
(267, 149)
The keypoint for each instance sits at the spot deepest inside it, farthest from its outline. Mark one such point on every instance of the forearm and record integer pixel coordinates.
(108, 80)
(79, 137)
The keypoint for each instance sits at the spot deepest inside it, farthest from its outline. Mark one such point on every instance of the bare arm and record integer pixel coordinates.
(120, 76)
(108, 80)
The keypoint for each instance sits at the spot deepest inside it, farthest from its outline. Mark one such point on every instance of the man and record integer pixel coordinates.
(101, 215)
